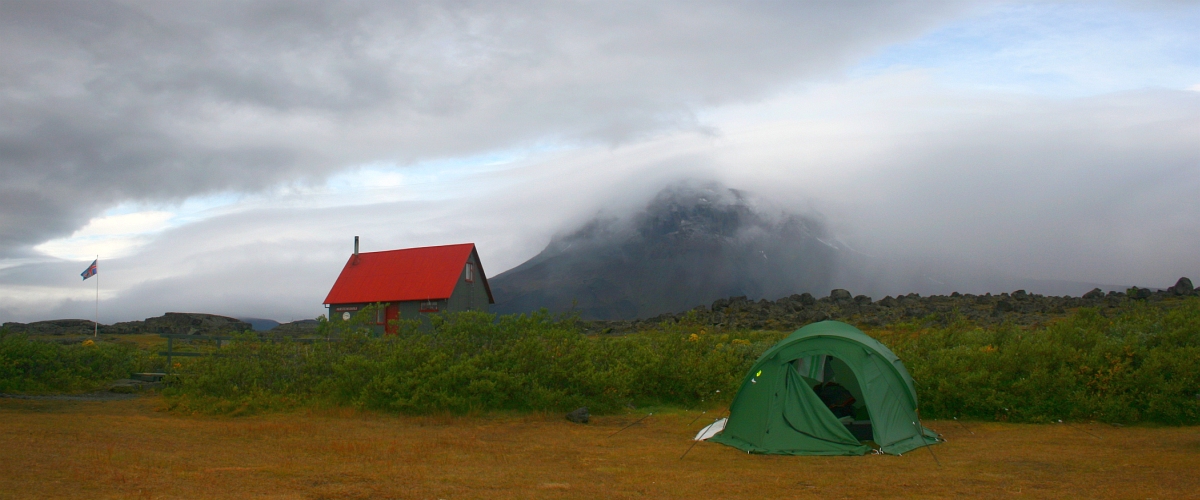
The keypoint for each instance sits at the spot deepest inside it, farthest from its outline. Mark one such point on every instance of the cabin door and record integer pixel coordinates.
(391, 314)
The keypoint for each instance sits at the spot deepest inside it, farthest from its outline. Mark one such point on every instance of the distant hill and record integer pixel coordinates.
(691, 245)
(260, 324)
(172, 322)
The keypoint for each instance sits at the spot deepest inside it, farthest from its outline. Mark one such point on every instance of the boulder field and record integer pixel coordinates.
(797, 310)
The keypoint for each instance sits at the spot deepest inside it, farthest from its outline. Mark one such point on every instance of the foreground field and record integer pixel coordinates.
(132, 449)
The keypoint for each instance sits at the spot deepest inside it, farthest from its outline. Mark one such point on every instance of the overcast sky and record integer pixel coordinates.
(221, 156)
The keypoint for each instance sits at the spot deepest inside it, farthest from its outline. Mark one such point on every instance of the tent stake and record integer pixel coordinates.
(630, 425)
(964, 426)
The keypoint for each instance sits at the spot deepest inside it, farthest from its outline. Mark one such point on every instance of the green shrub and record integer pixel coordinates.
(471, 362)
(1141, 363)
(29, 366)
(1138, 363)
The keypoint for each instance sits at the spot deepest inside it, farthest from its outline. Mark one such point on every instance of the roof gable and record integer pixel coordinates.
(426, 273)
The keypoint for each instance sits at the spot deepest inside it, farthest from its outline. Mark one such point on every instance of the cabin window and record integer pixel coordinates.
(470, 272)
(380, 316)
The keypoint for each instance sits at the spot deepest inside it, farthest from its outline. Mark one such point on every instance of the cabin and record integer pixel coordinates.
(410, 283)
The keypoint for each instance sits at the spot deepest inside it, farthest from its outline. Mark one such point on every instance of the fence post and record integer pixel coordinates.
(169, 350)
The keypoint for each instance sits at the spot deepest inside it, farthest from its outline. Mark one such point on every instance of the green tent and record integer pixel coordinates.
(777, 411)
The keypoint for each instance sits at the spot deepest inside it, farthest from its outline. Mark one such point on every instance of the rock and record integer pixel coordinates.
(807, 299)
(1019, 295)
(55, 327)
(1182, 287)
(579, 416)
(838, 295)
(195, 324)
(1004, 306)
(1096, 293)
(169, 323)
(1139, 293)
(862, 299)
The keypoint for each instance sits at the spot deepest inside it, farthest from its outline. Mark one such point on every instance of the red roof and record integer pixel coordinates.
(426, 273)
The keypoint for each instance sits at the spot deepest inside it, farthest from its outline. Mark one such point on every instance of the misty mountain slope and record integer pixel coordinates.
(688, 247)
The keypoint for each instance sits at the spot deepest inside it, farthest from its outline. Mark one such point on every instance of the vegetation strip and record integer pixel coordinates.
(1132, 362)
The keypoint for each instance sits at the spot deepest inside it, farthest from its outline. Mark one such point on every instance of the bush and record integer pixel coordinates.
(1139, 364)
(28, 366)
(1133, 364)
(471, 362)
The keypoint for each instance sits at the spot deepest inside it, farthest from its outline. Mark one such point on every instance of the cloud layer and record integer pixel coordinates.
(235, 149)
(107, 101)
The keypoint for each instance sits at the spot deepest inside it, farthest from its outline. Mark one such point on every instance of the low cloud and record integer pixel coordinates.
(1097, 190)
(107, 102)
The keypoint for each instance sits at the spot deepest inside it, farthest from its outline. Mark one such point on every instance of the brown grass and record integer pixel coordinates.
(132, 449)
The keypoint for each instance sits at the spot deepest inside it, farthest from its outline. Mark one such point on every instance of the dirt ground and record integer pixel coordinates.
(133, 449)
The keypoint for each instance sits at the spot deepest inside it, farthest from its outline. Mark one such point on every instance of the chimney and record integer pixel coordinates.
(356, 246)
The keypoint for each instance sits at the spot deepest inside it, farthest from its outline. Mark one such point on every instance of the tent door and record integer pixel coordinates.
(822, 368)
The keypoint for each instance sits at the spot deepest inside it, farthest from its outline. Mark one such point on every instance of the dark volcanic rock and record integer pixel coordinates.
(186, 323)
(579, 416)
(791, 312)
(195, 324)
(840, 296)
(690, 246)
(55, 327)
(1182, 287)
(1139, 293)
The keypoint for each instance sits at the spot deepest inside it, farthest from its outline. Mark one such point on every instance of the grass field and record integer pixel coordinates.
(133, 449)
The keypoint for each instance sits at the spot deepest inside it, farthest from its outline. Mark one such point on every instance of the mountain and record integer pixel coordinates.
(690, 246)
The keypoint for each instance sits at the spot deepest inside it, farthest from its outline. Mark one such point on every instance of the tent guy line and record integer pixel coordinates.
(631, 425)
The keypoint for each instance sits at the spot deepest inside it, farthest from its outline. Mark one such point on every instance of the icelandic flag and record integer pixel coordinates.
(90, 271)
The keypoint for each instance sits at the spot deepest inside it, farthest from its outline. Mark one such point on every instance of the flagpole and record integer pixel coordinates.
(96, 323)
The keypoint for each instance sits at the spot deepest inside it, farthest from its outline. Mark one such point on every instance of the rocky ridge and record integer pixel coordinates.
(172, 322)
(797, 310)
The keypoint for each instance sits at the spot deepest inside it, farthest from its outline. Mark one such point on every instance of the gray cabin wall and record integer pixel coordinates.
(407, 310)
(469, 296)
